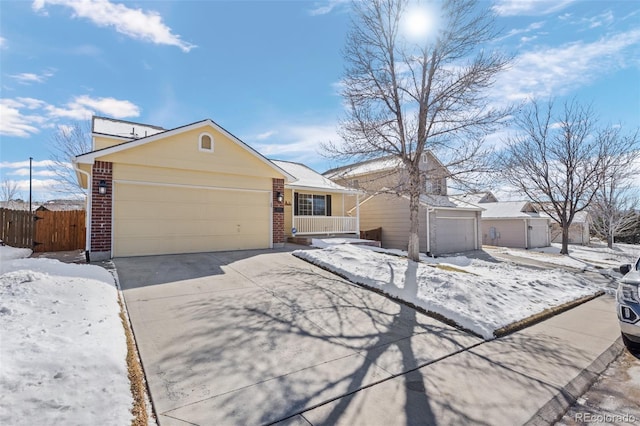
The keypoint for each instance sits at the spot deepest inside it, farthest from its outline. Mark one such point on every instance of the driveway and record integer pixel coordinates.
(255, 337)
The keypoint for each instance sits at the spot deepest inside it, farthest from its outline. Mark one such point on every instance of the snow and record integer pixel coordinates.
(308, 178)
(596, 257)
(63, 351)
(482, 297)
(508, 210)
(8, 253)
(109, 126)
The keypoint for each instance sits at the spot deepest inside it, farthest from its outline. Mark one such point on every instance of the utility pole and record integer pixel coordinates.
(30, 163)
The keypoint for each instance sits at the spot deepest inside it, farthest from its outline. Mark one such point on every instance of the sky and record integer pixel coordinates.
(267, 71)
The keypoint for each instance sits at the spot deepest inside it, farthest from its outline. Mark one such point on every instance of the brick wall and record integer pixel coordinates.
(101, 206)
(278, 217)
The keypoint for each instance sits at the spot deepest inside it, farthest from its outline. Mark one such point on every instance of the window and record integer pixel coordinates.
(312, 205)
(206, 142)
(355, 184)
(434, 186)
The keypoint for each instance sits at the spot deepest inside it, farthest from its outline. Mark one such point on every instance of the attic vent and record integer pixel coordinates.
(206, 142)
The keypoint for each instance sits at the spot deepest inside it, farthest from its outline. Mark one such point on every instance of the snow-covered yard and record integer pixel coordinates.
(595, 257)
(478, 295)
(62, 344)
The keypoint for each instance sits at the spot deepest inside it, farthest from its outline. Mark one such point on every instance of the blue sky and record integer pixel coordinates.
(267, 71)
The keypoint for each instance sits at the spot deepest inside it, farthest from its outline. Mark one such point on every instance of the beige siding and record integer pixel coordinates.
(101, 142)
(392, 214)
(509, 232)
(181, 151)
(158, 219)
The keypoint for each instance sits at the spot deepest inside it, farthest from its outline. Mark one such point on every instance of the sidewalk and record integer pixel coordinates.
(531, 376)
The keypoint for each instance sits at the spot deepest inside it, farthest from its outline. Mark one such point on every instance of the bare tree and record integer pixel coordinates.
(9, 192)
(557, 159)
(67, 142)
(406, 96)
(615, 203)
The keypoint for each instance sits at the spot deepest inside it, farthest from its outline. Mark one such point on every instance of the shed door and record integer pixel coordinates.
(156, 219)
(538, 233)
(454, 234)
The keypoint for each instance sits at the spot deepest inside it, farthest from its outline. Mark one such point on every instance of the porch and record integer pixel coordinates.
(325, 225)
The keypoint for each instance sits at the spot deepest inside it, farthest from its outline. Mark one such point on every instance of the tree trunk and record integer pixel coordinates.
(610, 239)
(565, 239)
(414, 218)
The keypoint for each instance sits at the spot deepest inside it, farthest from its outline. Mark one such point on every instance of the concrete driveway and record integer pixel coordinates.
(255, 337)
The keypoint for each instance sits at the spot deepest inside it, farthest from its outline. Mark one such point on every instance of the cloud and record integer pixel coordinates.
(28, 78)
(265, 135)
(529, 7)
(23, 164)
(531, 27)
(3, 43)
(299, 142)
(322, 8)
(135, 23)
(16, 121)
(544, 72)
(25, 172)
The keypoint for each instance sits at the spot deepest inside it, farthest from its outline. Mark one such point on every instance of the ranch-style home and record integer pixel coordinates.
(198, 188)
(447, 225)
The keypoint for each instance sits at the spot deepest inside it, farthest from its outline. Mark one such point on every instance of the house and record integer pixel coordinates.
(193, 188)
(514, 224)
(315, 205)
(447, 225)
(579, 230)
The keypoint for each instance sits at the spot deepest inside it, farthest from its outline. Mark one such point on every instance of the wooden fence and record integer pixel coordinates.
(16, 228)
(47, 231)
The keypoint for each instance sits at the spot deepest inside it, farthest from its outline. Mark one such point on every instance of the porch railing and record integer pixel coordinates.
(325, 225)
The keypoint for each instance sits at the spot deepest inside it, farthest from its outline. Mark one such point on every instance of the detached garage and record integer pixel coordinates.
(192, 189)
(446, 226)
(514, 224)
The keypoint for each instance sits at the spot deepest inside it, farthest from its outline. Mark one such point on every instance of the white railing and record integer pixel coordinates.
(325, 225)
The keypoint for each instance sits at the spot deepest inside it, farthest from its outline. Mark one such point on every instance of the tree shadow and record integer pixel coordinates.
(312, 340)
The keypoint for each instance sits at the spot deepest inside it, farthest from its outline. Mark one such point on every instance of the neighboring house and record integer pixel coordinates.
(514, 224)
(579, 231)
(446, 225)
(62, 205)
(477, 197)
(194, 188)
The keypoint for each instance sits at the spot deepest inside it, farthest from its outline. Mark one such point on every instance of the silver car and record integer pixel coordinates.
(628, 297)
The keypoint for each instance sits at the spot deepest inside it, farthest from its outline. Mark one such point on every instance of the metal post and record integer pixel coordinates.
(30, 162)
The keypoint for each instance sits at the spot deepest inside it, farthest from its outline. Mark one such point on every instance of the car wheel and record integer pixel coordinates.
(631, 345)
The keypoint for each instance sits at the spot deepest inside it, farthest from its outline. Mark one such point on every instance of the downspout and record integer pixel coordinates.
(526, 235)
(429, 210)
(87, 242)
(358, 214)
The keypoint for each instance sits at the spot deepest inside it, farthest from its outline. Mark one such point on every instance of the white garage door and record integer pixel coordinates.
(538, 233)
(454, 234)
(153, 219)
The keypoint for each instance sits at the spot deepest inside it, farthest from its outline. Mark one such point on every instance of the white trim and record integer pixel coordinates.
(271, 219)
(456, 217)
(113, 222)
(209, 150)
(91, 156)
(322, 189)
(87, 218)
(178, 185)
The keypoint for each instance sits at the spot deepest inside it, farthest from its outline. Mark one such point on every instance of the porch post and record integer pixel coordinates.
(293, 210)
(358, 214)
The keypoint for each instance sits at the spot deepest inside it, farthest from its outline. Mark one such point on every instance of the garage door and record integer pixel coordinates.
(454, 234)
(538, 233)
(152, 219)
